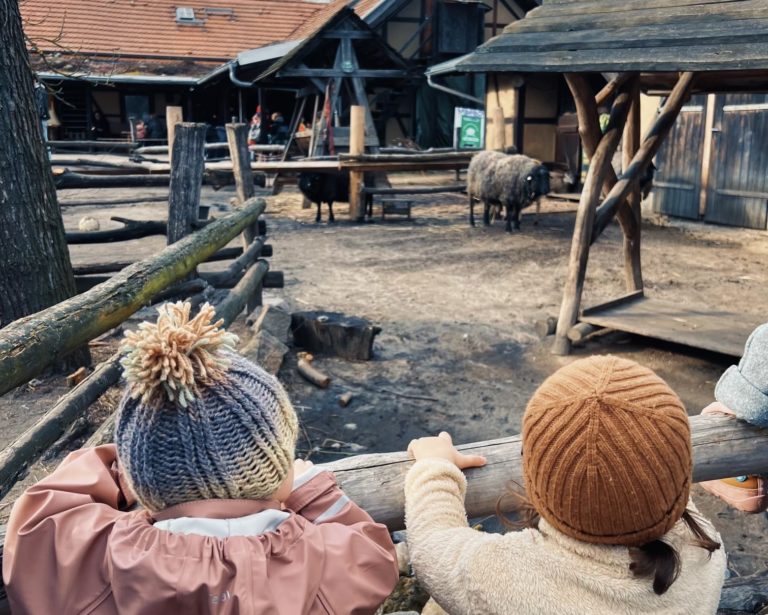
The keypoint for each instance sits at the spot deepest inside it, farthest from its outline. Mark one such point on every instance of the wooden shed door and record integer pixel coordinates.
(738, 189)
(676, 186)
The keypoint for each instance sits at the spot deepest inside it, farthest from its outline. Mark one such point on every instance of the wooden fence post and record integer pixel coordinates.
(173, 116)
(356, 148)
(187, 166)
(237, 138)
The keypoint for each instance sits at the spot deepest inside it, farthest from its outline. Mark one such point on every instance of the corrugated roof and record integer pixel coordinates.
(630, 35)
(148, 28)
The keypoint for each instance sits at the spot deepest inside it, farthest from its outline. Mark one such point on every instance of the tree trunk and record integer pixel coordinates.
(35, 270)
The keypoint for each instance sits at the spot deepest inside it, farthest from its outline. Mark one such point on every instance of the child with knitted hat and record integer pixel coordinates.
(228, 523)
(742, 391)
(607, 465)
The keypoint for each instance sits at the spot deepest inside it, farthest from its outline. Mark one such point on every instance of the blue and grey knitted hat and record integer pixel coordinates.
(743, 388)
(198, 421)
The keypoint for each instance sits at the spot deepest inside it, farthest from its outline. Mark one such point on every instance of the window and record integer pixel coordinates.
(185, 14)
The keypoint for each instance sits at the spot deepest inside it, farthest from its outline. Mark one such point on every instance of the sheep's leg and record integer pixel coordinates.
(516, 209)
(331, 219)
(538, 211)
(508, 218)
(486, 212)
(319, 216)
(471, 210)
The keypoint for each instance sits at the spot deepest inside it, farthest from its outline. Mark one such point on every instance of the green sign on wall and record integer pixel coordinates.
(468, 128)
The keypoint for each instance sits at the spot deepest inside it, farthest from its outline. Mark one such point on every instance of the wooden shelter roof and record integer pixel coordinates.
(318, 49)
(651, 36)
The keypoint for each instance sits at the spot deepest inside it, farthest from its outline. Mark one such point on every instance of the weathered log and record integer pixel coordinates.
(414, 190)
(186, 180)
(232, 274)
(273, 279)
(345, 399)
(111, 202)
(581, 331)
(181, 291)
(69, 180)
(265, 350)
(334, 334)
(651, 144)
(546, 326)
(582, 232)
(29, 345)
(224, 254)
(217, 178)
(238, 297)
(48, 429)
(722, 447)
(133, 229)
(126, 145)
(312, 374)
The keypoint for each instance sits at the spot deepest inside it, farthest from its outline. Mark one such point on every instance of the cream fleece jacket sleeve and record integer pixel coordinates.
(441, 544)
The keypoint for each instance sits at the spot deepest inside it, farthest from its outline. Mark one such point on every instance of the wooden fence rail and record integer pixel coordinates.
(722, 447)
(29, 345)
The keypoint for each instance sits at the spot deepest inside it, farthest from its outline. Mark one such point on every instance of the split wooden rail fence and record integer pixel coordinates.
(29, 345)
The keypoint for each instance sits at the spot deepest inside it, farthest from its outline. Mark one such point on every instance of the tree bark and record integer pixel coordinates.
(35, 270)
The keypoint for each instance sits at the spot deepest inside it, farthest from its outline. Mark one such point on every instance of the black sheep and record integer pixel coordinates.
(325, 188)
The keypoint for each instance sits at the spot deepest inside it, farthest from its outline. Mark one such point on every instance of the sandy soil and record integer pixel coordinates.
(457, 307)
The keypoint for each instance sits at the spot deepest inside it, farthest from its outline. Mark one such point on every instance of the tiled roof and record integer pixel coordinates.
(148, 28)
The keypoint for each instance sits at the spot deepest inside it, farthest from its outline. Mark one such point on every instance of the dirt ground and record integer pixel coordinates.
(457, 306)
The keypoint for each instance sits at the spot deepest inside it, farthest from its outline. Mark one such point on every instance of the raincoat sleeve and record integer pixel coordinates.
(361, 563)
(56, 540)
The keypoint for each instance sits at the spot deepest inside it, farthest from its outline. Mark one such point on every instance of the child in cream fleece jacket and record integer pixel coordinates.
(607, 465)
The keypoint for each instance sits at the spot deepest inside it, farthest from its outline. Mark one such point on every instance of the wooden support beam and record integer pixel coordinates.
(321, 73)
(187, 167)
(70, 180)
(497, 130)
(633, 270)
(582, 232)
(611, 88)
(356, 148)
(590, 133)
(651, 144)
(29, 345)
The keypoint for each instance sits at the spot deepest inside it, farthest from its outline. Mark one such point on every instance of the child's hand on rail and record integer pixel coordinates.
(441, 447)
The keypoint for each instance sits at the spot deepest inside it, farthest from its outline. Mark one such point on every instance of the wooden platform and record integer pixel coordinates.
(717, 331)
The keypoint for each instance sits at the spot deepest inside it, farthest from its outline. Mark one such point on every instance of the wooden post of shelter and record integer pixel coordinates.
(582, 232)
(615, 202)
(356, 148)
(630, 144)
(187, 166)
(498, 130)
(173, 116)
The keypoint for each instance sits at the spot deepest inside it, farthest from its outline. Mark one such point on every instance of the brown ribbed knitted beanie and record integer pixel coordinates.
(607, 453)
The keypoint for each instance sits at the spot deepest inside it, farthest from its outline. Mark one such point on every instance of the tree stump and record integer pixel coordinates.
(334, 334)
